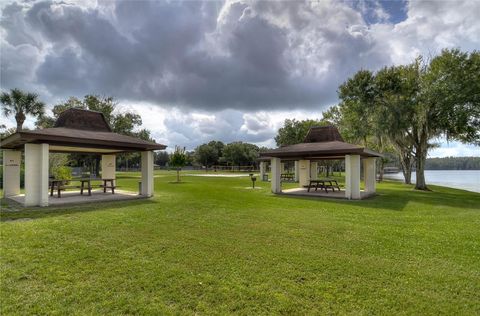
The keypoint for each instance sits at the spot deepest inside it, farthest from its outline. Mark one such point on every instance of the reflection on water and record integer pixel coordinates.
(459, 179)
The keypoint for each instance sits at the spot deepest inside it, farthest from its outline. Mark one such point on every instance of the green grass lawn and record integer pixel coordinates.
(213, 246)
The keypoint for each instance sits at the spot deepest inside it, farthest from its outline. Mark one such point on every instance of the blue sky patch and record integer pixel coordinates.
(381, 11)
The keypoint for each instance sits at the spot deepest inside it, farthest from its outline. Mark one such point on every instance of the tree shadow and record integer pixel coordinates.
(397, 199)
(13, 211)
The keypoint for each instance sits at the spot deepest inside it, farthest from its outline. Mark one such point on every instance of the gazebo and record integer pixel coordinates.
(75, 131)
(323, 143)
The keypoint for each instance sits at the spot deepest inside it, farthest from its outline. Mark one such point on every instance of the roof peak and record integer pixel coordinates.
(321, 134)
(76, 118)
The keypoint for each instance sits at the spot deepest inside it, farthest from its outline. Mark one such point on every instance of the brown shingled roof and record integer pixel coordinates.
(90, 132)
(320, 142)
(323, 134)
(83, 119)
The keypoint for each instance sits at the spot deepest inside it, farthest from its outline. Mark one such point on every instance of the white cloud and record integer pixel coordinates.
(197, 71)
(431, 26)
(191, 128)
(452, 149)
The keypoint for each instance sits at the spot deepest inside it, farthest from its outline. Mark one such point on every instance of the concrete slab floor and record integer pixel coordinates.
(321, 193)
(74, 197)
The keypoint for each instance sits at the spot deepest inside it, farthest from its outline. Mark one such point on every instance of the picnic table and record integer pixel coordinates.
(62, 185)
(111, 186)
(324, 184)
(85, 183)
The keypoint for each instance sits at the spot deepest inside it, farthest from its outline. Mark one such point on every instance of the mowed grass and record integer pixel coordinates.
(213, 246)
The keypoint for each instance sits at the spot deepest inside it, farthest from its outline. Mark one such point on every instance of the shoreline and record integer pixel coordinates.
(468, 180)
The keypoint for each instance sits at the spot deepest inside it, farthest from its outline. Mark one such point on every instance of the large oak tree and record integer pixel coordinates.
(414, 105)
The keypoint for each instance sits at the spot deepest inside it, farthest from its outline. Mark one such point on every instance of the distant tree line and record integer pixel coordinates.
(453, 163)
(215, 153)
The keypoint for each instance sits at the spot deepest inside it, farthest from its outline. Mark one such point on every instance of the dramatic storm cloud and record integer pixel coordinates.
(231, 70)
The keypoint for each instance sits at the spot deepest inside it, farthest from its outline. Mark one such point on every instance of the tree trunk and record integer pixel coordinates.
(407, 173)
(406, 162)
(420, 158)
(178, 174)
(380, 171)
(20, 118)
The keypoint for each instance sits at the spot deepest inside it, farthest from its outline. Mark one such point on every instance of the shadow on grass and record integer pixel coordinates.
(12, 211)
(129, 177)
(397, 198)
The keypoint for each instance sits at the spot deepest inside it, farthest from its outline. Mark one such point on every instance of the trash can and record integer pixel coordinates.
(265, 177)
(139, 187)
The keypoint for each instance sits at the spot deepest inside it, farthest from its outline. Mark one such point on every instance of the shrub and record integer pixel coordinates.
(62, 173)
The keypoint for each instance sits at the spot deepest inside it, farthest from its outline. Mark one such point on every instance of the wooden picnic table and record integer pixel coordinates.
(324, 184)
(111, 186)
(58, 184)
(61, 185)
(85, 183)
(82, 186)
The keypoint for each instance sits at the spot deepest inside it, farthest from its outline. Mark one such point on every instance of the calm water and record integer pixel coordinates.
(459, 179)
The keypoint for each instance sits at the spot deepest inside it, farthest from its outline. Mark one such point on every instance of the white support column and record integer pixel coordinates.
(370, 175)
(275, 166)
(297, 171)
(147, 173)
(12, 160)
(352, 177)
(314, 170)
(108, 167)
(262, 169)
(36, 174)
(304, 174)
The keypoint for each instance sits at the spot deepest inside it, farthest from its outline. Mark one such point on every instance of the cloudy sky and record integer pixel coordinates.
(197, 71)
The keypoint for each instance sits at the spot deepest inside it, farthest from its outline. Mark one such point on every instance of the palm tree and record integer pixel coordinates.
(21, 104)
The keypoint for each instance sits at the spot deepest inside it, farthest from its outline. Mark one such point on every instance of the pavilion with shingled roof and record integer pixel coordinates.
(323, 143)
(75, 131)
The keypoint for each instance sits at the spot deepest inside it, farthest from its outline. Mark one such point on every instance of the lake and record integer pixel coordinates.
(459, 179)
